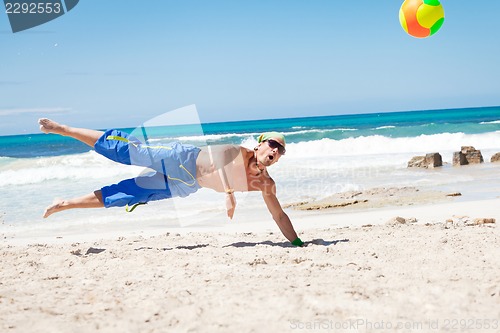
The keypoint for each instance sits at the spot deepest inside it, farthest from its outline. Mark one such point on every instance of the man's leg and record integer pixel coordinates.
(87, 136)
(92, 200)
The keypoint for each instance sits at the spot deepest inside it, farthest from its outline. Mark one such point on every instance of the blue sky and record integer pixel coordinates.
(120, 63)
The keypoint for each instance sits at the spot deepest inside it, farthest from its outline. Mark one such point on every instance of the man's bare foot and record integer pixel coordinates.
(50, 126)
(56, 206)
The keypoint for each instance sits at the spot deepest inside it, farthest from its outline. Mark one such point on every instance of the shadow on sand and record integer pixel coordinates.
(318, 241)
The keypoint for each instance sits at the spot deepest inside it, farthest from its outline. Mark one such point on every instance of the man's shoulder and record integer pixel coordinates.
(245, 149)
(222, 147)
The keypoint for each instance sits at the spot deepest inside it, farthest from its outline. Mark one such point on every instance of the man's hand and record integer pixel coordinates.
(298, 242)
(230, 203)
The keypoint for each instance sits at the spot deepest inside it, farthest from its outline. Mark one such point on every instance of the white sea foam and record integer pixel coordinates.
(325, 154)
(319, 131)
(4, 161)
(203, 138)
(326, 166)
(68, 167)
(490, 122)
(215, 137)
(377, 144)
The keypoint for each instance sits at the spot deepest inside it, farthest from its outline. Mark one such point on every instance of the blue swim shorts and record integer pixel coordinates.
(172, 169)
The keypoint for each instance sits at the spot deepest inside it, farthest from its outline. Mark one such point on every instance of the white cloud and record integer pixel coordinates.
(10, 112)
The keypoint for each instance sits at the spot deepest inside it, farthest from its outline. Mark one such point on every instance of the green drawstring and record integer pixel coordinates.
(134, 206)
(189, 173)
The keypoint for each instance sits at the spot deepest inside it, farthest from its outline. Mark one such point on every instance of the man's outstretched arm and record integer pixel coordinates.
(281, 218)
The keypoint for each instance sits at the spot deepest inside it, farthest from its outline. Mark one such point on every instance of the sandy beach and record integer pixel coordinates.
(130, 132)
(436, 269)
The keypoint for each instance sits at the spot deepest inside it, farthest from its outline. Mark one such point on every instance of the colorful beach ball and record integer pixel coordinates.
(421, 18)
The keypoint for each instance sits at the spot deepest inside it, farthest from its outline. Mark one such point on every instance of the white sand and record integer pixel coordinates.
(424, 277)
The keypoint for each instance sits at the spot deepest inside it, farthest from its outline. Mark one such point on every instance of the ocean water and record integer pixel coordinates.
(325, 155)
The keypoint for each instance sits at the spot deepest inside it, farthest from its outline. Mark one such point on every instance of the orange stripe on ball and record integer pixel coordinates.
(410, 11)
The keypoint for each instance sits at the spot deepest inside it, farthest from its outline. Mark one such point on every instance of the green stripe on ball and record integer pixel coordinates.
(436, 26)
(432, 2)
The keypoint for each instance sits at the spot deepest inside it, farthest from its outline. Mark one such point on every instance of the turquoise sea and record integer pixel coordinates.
(325, 155)
(391, 125)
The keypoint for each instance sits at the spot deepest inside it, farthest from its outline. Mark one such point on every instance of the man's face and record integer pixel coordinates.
(269, 151)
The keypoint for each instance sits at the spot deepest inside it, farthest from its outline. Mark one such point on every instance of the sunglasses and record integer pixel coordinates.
(275, 144)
